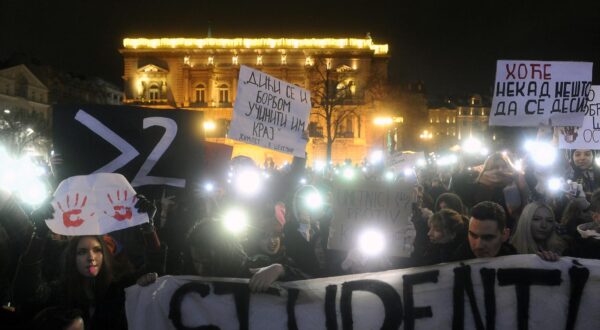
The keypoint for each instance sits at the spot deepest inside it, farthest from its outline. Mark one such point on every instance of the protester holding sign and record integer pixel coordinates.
(88, 280)
(267, 259)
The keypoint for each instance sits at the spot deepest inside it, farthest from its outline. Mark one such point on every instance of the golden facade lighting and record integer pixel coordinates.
(265, 43)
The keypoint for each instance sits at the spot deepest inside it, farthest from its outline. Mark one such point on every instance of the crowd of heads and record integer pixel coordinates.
(274, 226)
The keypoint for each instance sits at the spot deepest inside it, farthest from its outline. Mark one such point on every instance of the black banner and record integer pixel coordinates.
(150, 147)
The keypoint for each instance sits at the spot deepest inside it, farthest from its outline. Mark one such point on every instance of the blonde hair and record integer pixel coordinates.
(523, 240)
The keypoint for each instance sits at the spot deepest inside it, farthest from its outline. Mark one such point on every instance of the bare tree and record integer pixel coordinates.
(20, 129)
(335, 96)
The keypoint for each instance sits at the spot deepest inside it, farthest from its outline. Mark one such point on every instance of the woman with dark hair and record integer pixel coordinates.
(87, 281)
(584, 170)
(447, 231)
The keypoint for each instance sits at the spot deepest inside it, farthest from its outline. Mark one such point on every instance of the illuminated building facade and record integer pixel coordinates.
(451, 122)
(202, 74)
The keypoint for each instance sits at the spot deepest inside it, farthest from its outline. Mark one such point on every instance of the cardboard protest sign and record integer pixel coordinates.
(530, 93)
(588, 135)
(94, 205)
(514, 292)
(398, 162)
(372, 205)
(270, 113)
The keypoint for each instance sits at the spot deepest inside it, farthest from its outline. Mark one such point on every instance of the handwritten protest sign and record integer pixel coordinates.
(530, 93)
(94, 205)
(404, 160)
(372, 205)
(514, 292)
(270, 113)
(588, 135)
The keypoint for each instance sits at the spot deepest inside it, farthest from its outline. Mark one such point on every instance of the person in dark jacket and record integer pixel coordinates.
(447, 231)
(267, 258)
(87, 282)
(584, 170)
(487, 234)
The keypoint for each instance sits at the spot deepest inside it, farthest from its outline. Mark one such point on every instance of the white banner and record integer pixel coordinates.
(373, 206)
(94, 204)
(531, 93)
(588, 135)
(270, 113)
(515, 292)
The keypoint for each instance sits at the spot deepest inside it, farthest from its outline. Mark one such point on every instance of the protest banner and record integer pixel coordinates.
(155, 149)
(531, 93)
(270, 113)
(401, 161)
(513, 292)
(588, 135)
(94, 204)
(371, 205)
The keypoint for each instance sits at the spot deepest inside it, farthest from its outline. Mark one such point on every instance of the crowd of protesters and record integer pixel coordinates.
(473, 209)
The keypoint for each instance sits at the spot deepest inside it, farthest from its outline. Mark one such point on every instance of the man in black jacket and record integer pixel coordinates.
(487, 234)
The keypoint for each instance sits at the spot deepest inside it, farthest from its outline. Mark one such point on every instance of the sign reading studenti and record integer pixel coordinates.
(270, 113)
(372, 205)
(531, 93)
(514, 292)
(94, 204)
(588, 135)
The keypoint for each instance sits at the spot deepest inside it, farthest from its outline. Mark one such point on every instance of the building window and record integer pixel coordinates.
(154, 92)
(186, 60)
(259, 60)
(211, 60)
(223, 93)
(328, 62)
(200, 93)
(234, 60)
(309, 61)
(283, 59)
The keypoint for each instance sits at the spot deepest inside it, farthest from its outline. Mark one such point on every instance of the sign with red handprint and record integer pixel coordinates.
(94, 204)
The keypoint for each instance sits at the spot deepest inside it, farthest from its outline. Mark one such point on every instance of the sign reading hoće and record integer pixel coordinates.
(270, 113)
(94, 204)
(530, 93)
(373, 206)
(514, 292)
(588, 135)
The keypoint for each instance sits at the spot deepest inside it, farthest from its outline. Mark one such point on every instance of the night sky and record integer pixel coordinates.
(450, 45)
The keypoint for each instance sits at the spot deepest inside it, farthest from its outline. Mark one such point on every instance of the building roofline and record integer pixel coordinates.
(255, 43)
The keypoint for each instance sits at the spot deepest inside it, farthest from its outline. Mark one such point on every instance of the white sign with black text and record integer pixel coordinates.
(533, 93)
(270, 113)
(588, 135)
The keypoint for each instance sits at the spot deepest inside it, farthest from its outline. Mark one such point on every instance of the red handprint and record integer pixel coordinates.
(71, 217)
(122, 212)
